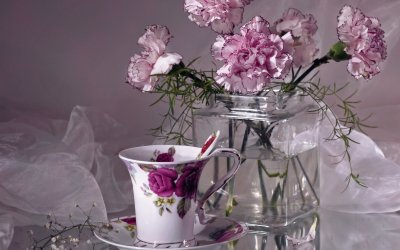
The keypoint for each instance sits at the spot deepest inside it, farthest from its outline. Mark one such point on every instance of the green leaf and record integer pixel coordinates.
(183, 207)
(168, 210)
(337, 52)
(275, 195)
(147, 168)
(179, 168)
(228, 210)
(161, 211)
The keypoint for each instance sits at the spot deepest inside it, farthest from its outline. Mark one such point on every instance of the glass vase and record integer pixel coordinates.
(277, 136)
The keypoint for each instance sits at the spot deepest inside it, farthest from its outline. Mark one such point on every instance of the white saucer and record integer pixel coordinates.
(122, 233)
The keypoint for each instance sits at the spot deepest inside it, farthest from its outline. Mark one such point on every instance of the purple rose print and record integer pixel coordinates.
(161, 181)
(186, 185)
(165, 157)
(130, 220)
(227, 233)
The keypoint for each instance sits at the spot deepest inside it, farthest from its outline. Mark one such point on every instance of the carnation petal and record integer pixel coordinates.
(139, 73)
(192, 5)
(364, 41)
(222, 15)
(231, 46)
(296, 30)
(253, 84)
(236, 15)
(345, 14)
(217, 47)
(222, 26)
(251, 58)
(225, 70)
(155, 38)
(257, 24)
(239, 3)
(165, 62)
(305, 53)
(198, 20)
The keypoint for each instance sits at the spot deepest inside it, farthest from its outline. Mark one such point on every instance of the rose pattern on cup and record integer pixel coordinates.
(186, 185)
(162, 181)
(164, 157)
(171, 185)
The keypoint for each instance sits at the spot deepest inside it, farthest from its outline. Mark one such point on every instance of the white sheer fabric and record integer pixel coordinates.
(45, 170)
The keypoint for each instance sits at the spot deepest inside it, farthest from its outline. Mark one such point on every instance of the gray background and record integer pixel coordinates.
(56, 54)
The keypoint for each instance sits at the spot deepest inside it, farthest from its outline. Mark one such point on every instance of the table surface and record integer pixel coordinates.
(334, 230)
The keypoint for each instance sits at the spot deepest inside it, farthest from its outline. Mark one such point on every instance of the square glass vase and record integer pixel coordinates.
(277, 135)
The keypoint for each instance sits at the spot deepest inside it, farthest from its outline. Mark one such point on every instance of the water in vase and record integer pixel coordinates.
(278, 181)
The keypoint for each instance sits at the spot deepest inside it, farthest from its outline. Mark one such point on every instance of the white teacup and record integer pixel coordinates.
(165, 192)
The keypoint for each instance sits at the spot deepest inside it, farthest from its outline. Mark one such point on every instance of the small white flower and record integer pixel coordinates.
(74, 240)
(47, 225)
(53, 239)
(54, 247)
(88, 241)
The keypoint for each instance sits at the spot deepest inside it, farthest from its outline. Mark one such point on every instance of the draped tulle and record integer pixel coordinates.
(53, 166)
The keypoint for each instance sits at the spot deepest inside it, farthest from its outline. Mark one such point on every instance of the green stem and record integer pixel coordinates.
(264, 195)
(316, 63)
(285, 179)
(245, 138)
(197, 82)
(298, 181)
(307, 179)
(230, 203)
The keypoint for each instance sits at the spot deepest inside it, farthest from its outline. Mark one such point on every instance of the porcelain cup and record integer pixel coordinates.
(165, 181)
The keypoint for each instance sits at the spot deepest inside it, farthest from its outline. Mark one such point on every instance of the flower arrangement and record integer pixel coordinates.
(260, 57)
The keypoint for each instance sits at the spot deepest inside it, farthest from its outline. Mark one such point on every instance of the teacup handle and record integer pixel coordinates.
(224, 152)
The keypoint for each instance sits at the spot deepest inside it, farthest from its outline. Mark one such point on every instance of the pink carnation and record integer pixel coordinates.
(302, 29)
(153, 60)
(251, 58)
(364, 42)
(222, 15)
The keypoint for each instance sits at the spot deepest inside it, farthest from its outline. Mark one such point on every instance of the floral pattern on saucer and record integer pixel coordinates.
(122, 233)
